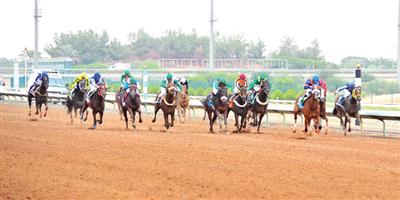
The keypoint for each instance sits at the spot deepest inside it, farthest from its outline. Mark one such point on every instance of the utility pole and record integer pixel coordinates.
(36, 17)
(398, 46)
(211, 55)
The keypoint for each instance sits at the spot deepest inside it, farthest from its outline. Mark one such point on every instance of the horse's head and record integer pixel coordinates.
(316, 93)
(171, 89)
(101, 91)
(356, 94)
(45, 82)
(133, 90)
(243, 92)
(223, 94)
(82, 86)
(265, 87)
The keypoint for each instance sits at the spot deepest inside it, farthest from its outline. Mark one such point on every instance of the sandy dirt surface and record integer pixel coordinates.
(53, 159)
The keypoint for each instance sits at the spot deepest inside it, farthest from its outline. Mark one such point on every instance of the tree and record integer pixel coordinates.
(313, 51)
(288, 48)
(256, 50)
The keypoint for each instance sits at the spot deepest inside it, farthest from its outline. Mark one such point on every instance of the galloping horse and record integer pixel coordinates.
(220, 104)
(240, 108)
(132, 106)
(259, 108)
(311, 111)
(183, 104)
(78, 100)
(96, 104)
(40, 97)
(350, 109)
(118, 100)
(322, 106)
(168, 105)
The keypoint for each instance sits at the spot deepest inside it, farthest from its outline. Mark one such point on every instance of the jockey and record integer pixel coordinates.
(183, 82)
(126, 80)
(309, 85)
(37, 81)
(169, 78)
(95, 80)
(255, 86)
(218, 84)
(74, 86)
(347, 90)
(239, 83)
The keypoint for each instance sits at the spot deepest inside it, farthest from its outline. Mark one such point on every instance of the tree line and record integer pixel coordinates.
(87, 46)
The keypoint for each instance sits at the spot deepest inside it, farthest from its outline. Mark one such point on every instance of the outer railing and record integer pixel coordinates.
(365, 114)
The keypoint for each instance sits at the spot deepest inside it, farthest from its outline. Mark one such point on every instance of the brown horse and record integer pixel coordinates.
(118, 100)
(132, 106)
(350, 109)
(240, 109)
(183, 104)
(322, 105)
(168, 105)
(311, 111)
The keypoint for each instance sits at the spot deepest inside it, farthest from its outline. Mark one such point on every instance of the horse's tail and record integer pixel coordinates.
(69, 104)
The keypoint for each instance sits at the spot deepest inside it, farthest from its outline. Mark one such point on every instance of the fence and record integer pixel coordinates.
(378, 115)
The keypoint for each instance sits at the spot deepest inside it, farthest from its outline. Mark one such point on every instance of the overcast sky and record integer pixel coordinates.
(343, 27)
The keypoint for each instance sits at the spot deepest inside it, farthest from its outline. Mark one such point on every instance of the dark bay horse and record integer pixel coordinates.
(240, 109)
(167, 105)
(350, 109)
(220, 107)
(260, 105)
(132, 106)
(322, 106)
(78, 99)
(40, 97)
(310, 111)
(96, 104)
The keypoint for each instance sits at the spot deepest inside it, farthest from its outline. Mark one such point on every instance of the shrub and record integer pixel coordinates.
(277, 94)
(290, 94)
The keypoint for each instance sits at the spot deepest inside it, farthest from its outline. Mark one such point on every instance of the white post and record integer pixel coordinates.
(358, 84)
(16, 77)
(145, 85)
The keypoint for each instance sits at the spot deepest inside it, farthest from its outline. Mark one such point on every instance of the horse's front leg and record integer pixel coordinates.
(361, 123)
(94, 120)
(242, 122)
(306, 124)
(166, 123)
(295, 122)
(156, 108)
(133, 119)
(30, 105)
(318, 124)
(101, 112)
(237, 123)
(326, 123)
(172, 119)
(46, 108)
(259, 122)
(125, 113)
(348, 118)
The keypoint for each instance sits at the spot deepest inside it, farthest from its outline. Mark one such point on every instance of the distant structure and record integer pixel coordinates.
(211, 53)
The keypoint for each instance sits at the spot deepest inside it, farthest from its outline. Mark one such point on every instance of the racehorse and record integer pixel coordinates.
(78, 100)
(350, 109)
(96, 104)
(259, 107)
(219, 107)
(132, 106)
(311, 111)
(167, 105)
(240, 109)
(183, 105)
(40, 97)
(118, 100)
(322, 106)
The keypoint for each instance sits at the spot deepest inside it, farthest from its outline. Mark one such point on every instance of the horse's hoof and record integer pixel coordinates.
(171, 125)
(153, 120)
(100, 122)
(36, 113)
(235, 131)
(349, 130)
(134, 126)
(93, 128)
(140, 120)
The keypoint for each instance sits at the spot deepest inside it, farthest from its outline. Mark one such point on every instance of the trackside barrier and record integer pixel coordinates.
(365, 114)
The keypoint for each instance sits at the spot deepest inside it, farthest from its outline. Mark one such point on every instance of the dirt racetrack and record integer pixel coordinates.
(52, 159)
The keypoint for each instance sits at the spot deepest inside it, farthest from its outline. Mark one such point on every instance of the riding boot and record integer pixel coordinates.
(231, 100)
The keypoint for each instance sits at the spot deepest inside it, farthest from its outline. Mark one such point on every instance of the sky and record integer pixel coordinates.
(343, 27)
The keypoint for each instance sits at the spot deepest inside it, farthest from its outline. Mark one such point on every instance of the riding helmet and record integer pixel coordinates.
(242, 76)
(169, 76)
(127, 73)
(97, 76)
(315, 78)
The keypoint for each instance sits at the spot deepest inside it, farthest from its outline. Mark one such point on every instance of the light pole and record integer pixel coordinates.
(211, 53)
(398, 46)
(36, 16)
